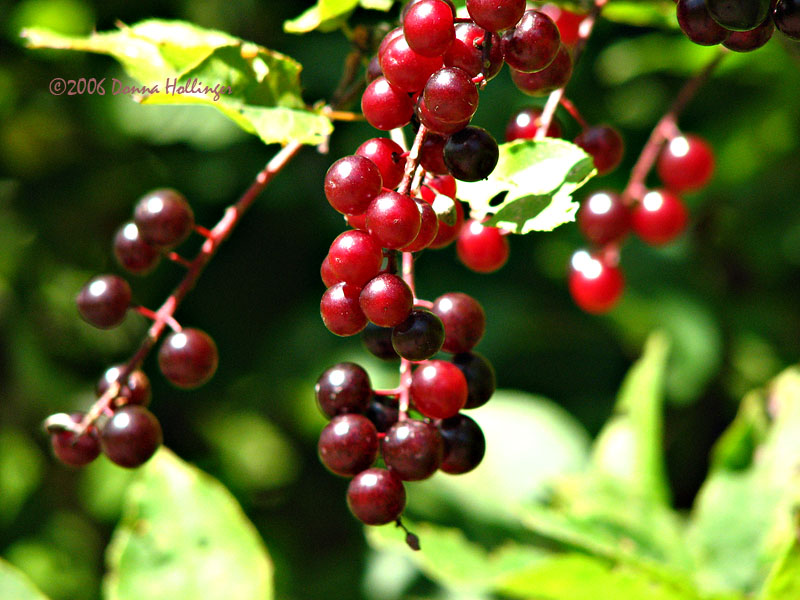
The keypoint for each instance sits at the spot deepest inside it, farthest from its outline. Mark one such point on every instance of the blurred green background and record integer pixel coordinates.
(71, 168)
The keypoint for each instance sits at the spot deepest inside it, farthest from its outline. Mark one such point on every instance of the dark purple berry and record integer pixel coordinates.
(135, 389)
(164, 218)
(72, 451)
(480, 376)
(376, 496)
(343, 388)
(464, 444)
(131, 436)
(471, 154)
(348, 445)
(104, 301)
(420, 336)
(132, 252)
(412, 449)
(188, 358)
(464, 321)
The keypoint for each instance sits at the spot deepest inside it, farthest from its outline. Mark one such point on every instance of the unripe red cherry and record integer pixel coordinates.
(134, 390)
(376, 496)
(132, 252)
(595, 285)
(393, 219)
(438, 389)
(355, 257)
(188, 358)
(388, 157)
(603, 218)
(605, 145)
(482, 248)
(496, 16)
(466, 52)
(532, 44)
(406, 69)
(464, 321)
(351, 183)
(553, 76)
(385, 106)
(428, 229)
(525, 123)
(659, 218)
(386, 300)
(348, 445)
(428, 27)
(568, 22)
(340, 310)
(686, 163)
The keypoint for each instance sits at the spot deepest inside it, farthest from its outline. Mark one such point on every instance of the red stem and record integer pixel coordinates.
(573, 111)
(214, 239)
(664, 130)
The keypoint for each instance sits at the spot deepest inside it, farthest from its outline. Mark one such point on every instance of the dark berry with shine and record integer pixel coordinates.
(738, 15)
(464, 321)
(341, 311)
(604, 144)
(603, 218)
(695, 21)
(412, 449)
(188, 358)
(438, 389)
(104, 301)
(480, 376)
(787, 18)
(132, 252)
(343, 388)
(378, 341)
(383, 412)
(532, 44)
(471, 154)
(420, 336)
(134, 390)
(747, 41)
(376, 496)
(348, 445)
(464, 444)
(76, 453)
(131, 436)
(164, 218)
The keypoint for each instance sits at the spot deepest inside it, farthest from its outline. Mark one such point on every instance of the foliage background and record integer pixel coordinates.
(72, 167)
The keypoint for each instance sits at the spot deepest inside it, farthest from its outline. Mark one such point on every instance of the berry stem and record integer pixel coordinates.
(570, 107)
(178, 259)
(664, 130)
(206, 233)
(153, 316)
(584, 31)
(164, 315)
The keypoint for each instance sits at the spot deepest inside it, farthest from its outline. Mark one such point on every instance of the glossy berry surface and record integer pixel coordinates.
(343, 388)
(355, 257)
(132, 252)
(659, 218)
(164, 218)
(188, 358)
(595, 285)
(104, 301)
(388, 157)
(376, 496)
(412, 449)
(696, 22)
(480, 376)
(532, 44)
(428, 228)
(431, 157)
(393, 219)
(386, 107)
(466, 52)
(428, 27)
(568, 22)
(603, 218)
(340, 310)
(351, 183)
(327, 274)
(348, 445)
(378, 342)
(383, 412)
(464, 321)
(686, 163)
(386, 300)
(438, 389)
(747, 41)
(131, 436)
(471, 154)
(435, 124)
(420, 336)
(135, 389)
(464, 444)
(553, 76)
(72, 451)
(496, 15)
(738, 15)
(525, 123)
(787, 18)
(481, 248)
(404, 68)
(605, 145)
(450, 95)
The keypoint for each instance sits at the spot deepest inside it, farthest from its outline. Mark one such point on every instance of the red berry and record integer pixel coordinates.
(525, 123)
(568, 22)
(595, 284)
(343, 388)
(603, 218)
(481, 248)
(659, 218)
(104, 301)
(340, 310)
(431, 156)
(132, 252)
(386, 300)
(532, 44)
(413, 449)
(355, 257)
(188, 358)
(348, 445)
(388, 157)
(326, 272)
(386, 107)
(450, 95)
(553, 76)
(404, 68)
(131, 436)
(464, 321)
(376, 496)
(429, 227)
(72, 451)
(605, 145)
(438, 389)
(467, 51)
(393, 219)
(686, 163)
(496, 15)
(696, 22)
(164, 218)
(747, 41)
(428, 27)
(351, 183)
(135, 390)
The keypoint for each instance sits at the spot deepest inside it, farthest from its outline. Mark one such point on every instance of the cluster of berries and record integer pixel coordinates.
(739, 25)
(126, 431)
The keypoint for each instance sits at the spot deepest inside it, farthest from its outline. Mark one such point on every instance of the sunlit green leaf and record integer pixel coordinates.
(17, 450)
(14, 585)
(327, 15)
(783, 582)
(184, 536)
(538, 178)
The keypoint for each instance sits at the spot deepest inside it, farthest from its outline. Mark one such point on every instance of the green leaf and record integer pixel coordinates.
(529, 442)
(538, 178)
(660, 13)
(629, 448)
(14, 585)
(180, 63)
(449, 558)
(328, 15)
(183, 535)
(17, 484)
(735, 447)
(783, 582)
